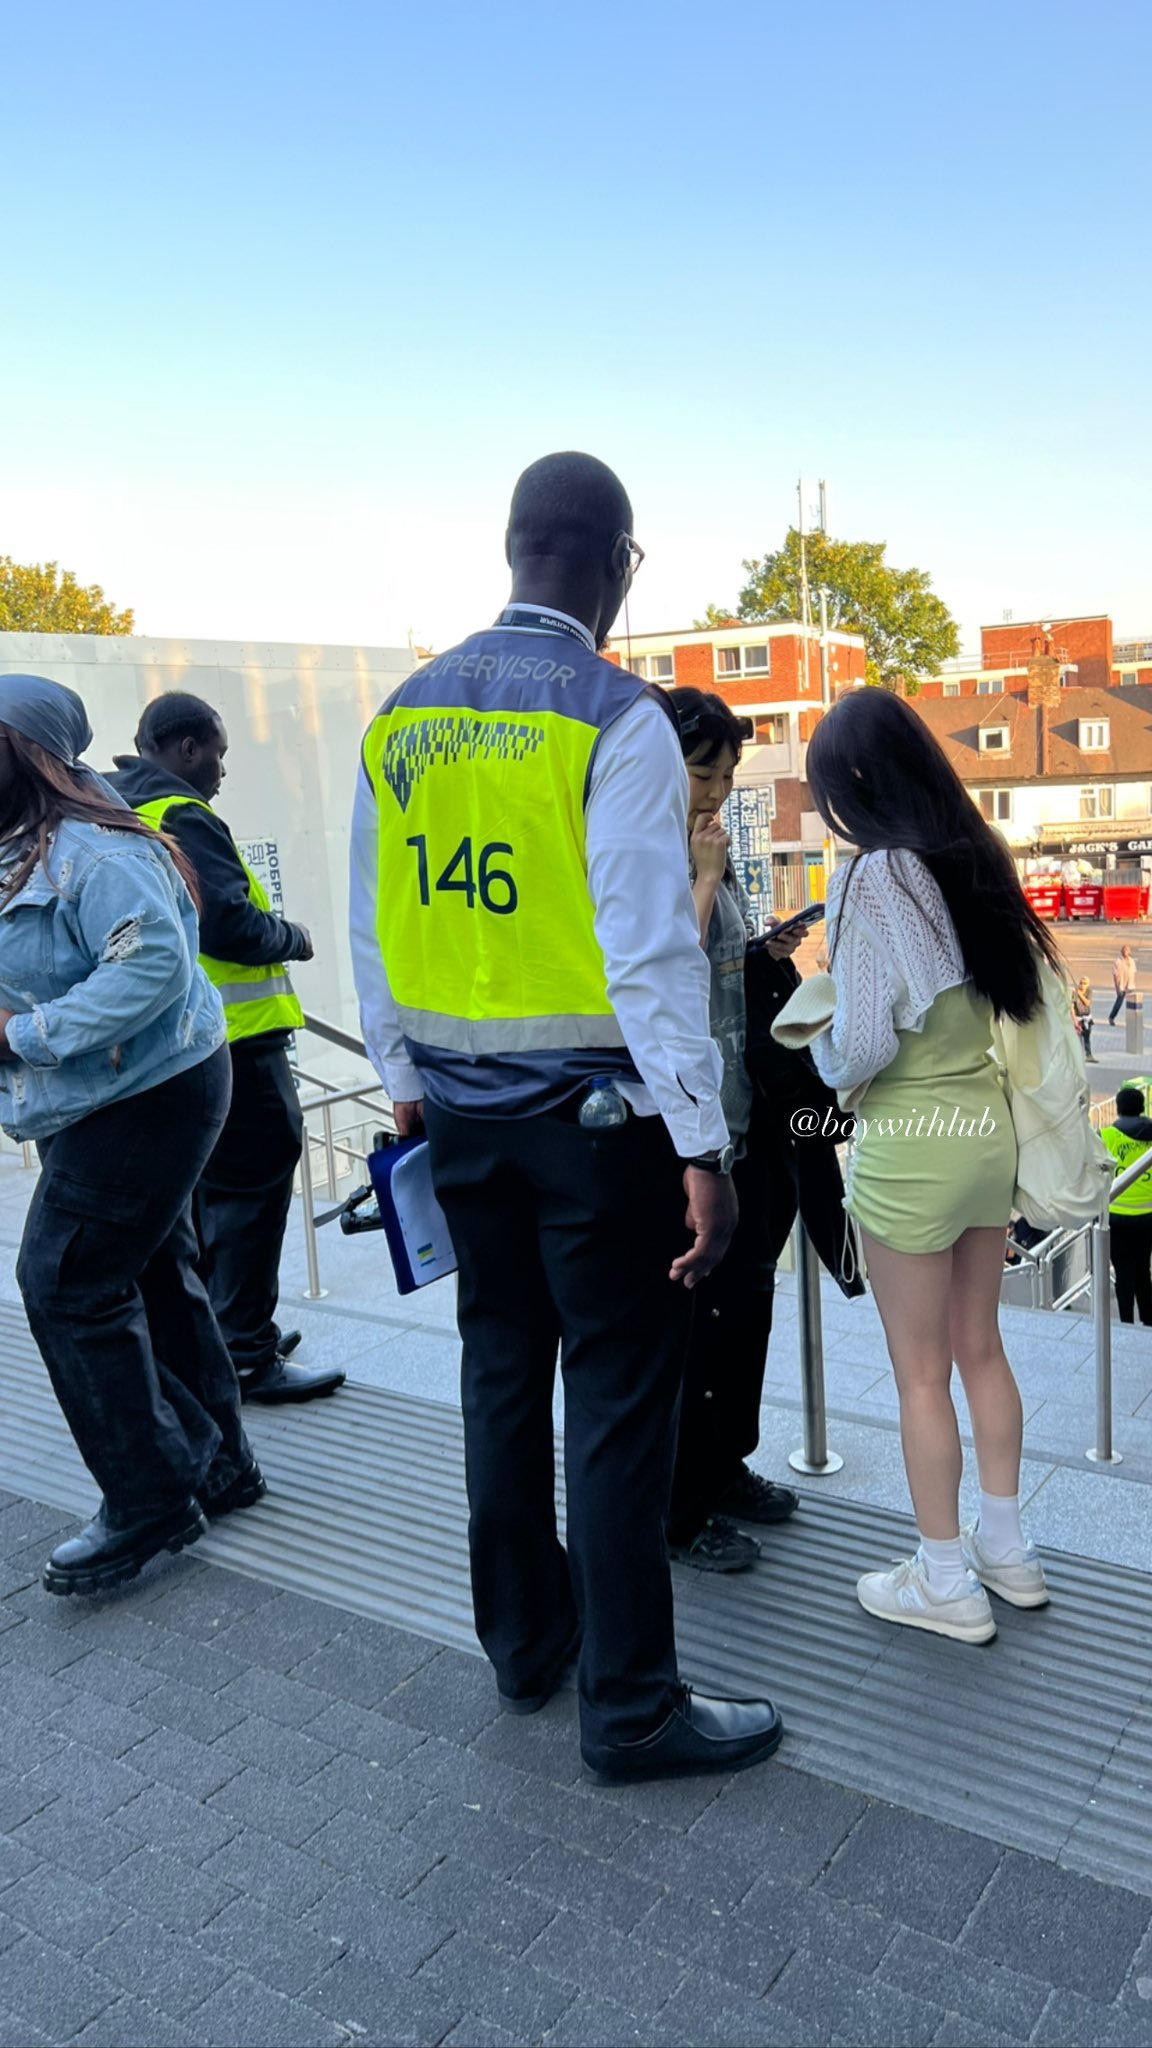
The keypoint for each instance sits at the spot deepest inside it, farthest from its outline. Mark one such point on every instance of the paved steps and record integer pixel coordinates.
(1042, 1740)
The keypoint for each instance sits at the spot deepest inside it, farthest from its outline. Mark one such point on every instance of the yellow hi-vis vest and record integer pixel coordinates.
(255, 999)
(480, 766)
(1136, 1200)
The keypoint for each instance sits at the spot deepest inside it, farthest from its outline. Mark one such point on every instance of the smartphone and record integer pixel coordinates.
(813, 914)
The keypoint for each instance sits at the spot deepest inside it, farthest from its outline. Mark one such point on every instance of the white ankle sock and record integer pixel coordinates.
(999, 1525)
(947, 1571)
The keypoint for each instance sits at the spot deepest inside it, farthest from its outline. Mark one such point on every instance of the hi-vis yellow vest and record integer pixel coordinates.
(480, 768)
(1136, 1200)
(255, 999)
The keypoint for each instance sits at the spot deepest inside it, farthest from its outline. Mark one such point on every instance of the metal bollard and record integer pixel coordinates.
(1102, 1453)
(813, 1455)
(1134, 1022)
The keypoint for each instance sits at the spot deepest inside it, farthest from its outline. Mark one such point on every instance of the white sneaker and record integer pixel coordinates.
(904, 1595)
(1017, 1578)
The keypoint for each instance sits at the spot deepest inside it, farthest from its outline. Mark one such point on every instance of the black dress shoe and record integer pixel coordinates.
(101, 1556)
(283, 1382)
(532, 1702)
(753, 1499)
(290, 1341)
(244, 1491)
(700, 1734)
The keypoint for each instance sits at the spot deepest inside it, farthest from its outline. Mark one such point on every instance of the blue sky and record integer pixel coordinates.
(291, 293)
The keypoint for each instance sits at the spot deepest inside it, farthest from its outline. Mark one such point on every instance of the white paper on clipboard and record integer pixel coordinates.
(421, 1219)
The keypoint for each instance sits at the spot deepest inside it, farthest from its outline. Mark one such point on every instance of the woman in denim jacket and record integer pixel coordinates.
(112, 1059)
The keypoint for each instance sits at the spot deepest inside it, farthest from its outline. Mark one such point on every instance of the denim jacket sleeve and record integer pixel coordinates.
(126, 921)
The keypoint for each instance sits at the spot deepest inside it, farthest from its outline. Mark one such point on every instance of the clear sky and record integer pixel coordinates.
(292, 292)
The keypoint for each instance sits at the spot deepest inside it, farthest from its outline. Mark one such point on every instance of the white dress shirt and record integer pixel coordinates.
(645, 922)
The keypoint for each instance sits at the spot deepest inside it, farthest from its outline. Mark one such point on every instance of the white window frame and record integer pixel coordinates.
(667, 676)
(740, 671)
(1089, 800)
(1129, 678)
(995, 739)
(1001, 800)
(1090, 726)
(951, 689)
(987, 686)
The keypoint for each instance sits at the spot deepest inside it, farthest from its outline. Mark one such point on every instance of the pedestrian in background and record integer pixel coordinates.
(1128, 1137)
(534, 995)
(929, 938)
(245, 1192)
(112, 1059)
(1123, 980)
(1082, 1015)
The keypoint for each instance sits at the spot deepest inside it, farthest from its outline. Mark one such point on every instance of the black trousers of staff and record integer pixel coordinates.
(244, 1197)
(564, 1239)
(1131, 1240)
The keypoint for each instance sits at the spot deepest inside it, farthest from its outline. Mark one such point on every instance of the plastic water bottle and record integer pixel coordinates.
(603, 1107)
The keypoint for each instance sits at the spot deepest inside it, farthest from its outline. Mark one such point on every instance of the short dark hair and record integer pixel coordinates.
(570, 506)
(706, 724)
(176, 716)
(1130, 1101)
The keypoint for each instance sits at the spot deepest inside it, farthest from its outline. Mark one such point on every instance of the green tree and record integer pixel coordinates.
(39, 598)
(908, 630)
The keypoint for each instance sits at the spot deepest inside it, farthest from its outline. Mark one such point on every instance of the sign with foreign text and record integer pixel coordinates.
(263, 857)
(748, 818)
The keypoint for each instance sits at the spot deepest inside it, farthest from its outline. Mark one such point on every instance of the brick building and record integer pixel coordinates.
(1059, 770)
(1088, 657)
(770, 673)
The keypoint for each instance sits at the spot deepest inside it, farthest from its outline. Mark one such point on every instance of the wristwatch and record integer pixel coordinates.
(714, 1162)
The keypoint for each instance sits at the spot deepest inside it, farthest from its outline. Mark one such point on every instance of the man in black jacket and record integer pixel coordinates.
(245, 1193)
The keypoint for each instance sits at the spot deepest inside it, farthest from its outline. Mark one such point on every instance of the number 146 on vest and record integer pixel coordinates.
(466, 876)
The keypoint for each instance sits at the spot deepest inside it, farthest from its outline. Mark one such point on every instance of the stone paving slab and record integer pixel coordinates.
(415, 1868)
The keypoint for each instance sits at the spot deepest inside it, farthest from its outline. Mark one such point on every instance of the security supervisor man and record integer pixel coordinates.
(523, 941)
(242, 1201)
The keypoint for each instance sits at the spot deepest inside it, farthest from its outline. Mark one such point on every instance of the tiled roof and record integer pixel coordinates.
(956, 723)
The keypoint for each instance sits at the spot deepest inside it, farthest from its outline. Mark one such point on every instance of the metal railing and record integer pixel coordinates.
(331, 1141)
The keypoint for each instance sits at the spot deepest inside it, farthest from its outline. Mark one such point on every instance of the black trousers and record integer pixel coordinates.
(1132, 1265)
(243, 1199)
(564, 1239)
(732, 1309)
(107, 1269)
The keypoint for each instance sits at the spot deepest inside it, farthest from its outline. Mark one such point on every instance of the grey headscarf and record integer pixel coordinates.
(47, 713)
(53, 717)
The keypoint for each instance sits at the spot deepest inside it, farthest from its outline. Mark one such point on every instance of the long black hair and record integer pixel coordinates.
(880, 779)
(46, 790)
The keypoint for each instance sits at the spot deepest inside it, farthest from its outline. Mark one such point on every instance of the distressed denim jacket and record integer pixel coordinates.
(98, 961)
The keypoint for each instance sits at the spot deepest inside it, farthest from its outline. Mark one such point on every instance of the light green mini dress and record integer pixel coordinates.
(935, 1153)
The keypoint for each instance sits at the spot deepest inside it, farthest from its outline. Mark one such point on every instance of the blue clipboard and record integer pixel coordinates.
(414, 1223)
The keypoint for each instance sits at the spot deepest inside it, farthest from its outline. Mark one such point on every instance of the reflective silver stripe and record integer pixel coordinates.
(253, 991)
(509, 1034)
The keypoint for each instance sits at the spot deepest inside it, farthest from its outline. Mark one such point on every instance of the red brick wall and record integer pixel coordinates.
(695, 668)
(1085, 642)
(791, 798)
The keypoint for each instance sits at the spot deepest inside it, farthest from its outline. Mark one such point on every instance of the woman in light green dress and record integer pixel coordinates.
(929, 938)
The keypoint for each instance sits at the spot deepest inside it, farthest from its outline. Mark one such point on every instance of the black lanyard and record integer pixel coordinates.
(530, 620)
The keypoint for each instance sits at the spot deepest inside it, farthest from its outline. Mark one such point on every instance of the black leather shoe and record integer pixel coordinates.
(244, 1491)
(753, 1499)
(700, 1734)
(101, 1557)
(283, 1382)
(290, 1341)
(532, 1702)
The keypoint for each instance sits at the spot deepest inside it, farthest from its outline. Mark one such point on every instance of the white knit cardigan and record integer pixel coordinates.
(892, 950)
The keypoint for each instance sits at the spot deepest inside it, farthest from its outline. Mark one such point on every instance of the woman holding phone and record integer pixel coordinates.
(714, 1489)
(929, 937)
